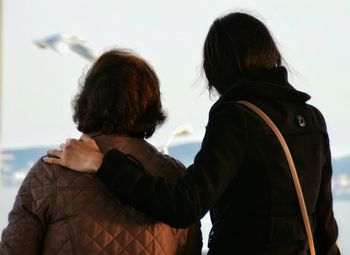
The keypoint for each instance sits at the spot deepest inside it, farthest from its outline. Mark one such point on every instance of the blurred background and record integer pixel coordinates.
(46, 46)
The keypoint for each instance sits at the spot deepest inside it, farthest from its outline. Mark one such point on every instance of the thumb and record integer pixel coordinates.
(85, 138)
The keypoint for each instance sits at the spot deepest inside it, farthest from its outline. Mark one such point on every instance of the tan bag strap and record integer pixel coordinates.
(292, 168)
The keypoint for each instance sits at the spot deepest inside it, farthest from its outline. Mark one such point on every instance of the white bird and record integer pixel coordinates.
(64, 43)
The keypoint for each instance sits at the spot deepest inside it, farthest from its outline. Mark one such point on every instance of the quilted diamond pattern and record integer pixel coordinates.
(58, 211)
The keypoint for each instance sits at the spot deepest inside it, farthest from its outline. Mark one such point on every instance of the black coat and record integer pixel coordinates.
(242, 176)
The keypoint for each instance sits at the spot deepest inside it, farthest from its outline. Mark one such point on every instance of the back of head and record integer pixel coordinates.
(237, 45)
(119, 95)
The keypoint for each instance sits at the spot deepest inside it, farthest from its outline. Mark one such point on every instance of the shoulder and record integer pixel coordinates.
(39, 174)
(37, 189)
(43, 175)
(227, 115)
(318, 119)
(175, 164)
(47, 173)
(225, 106)
(167, 166)
(229, 112)
(317, 113)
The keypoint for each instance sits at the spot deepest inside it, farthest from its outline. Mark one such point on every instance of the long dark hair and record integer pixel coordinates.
(120, 95)
(237, 45)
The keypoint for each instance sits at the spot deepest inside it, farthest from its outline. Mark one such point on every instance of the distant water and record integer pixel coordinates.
(341, 211)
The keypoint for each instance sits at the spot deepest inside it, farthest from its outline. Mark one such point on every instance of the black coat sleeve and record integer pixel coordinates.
(326, 231)
(182, 201)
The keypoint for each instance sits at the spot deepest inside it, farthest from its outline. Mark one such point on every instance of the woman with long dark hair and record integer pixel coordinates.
(240, 173)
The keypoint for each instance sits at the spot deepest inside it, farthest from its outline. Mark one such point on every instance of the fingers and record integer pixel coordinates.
(70, 141)
(56, 153)
(49, 160)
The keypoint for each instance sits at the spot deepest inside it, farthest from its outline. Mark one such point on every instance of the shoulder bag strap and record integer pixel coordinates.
(292, 168)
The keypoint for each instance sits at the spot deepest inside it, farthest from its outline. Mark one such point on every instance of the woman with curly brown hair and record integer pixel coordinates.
(58, 211)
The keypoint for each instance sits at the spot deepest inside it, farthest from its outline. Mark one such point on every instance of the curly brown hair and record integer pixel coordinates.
(119, 95)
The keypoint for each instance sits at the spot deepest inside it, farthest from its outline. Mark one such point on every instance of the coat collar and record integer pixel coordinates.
(116, 141)
(272, 85)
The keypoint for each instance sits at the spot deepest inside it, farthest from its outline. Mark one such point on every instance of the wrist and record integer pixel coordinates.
(95, 162)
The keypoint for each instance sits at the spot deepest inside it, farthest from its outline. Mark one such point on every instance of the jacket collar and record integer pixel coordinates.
(272, 84)
(116, 141)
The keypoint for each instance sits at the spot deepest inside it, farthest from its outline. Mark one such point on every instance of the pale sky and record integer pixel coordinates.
(39, 84)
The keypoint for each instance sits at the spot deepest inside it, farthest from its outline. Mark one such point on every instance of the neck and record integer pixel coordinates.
(94, 134)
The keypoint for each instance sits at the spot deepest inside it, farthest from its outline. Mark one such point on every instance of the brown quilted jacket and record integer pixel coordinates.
(58, 211)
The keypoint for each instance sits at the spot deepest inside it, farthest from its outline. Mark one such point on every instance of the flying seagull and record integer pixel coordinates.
(64, 43)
